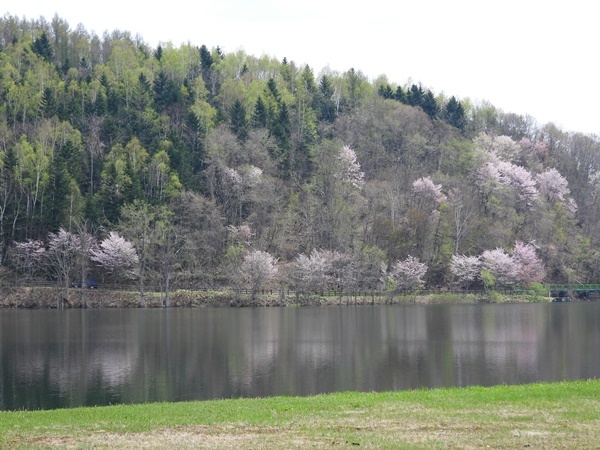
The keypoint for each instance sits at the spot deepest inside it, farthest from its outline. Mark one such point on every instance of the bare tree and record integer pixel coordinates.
(62, 256)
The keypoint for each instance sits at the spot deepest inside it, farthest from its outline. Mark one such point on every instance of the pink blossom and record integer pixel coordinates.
(519, 178)
(500, 265)
(553, 185)
(529, 266)
(425, 186)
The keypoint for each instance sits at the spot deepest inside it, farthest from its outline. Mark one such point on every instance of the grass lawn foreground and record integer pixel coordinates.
(552, 415)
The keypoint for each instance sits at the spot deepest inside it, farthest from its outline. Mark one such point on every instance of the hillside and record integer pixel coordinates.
(189, 167)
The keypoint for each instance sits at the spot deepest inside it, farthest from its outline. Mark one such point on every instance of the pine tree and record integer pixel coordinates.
(48, 103)
(238, 120)
(414, 96)
(454, 114)
(259, 116)
(326, 106)
(400, 95)
(429, 104)
(42, 47)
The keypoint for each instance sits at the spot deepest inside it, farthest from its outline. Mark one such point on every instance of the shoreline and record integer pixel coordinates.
(47, 297)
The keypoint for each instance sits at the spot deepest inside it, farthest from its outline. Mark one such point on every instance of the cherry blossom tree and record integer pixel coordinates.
(116, 255)
(500, 146)
(530, 268)
(349, 169)
(408, 274)
(258, 268)
(555, 187)
(427, 188)
(465, 269)
(520, 179)
(501, 266)
(309, 273)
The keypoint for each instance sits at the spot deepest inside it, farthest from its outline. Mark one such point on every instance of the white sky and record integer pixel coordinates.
(527, 56)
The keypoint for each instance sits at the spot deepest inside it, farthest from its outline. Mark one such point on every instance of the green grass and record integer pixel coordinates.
(555, 415)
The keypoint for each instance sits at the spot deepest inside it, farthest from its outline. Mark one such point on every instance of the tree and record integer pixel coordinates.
(309, 273)
(258, 268)
(500, 265)
(259, 116)
(116, 255)
(42, 47)
(62, 256)
(28, 256)
(529, 266)
(454, 114)
(138, 224)
(408, 274)
(428, 189)
(465, 269)
(349, 171)
(553, 185)
(239, 122)
(429, 105)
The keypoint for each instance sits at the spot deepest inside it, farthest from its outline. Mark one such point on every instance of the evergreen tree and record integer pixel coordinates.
(206, 61)
(454, 114)
(48, 103)
(158, 53)
(238, 120)
(259, 116)
(42, 47)
(385, 91)
(400, 95)
(326, 106)
(414, 96)
(429, 104)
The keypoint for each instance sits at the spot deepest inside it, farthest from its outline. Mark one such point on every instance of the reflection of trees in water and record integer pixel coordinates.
(67, 358)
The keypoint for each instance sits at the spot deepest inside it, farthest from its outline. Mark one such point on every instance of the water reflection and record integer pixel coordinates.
(52, 359)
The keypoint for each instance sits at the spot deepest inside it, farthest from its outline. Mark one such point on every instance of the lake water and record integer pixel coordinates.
(54, 359)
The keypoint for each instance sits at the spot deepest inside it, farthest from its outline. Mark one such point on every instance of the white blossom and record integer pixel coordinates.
(465, 268)
(350, 168)
(408, 273)
(116, 254)
(232, 175)
(258, 267)
(425, 186)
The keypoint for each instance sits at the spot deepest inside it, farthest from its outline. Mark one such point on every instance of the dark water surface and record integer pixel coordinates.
(53, 359)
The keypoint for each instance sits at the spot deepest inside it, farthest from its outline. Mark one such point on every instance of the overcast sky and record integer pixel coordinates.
(528, 56)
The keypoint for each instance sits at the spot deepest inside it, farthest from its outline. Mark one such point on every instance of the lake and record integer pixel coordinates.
(55, 359)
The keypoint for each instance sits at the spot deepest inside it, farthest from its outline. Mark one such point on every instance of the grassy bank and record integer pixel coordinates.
(558, 415)
(46, 297)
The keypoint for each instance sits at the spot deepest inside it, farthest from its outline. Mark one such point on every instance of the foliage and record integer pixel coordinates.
(331, 174)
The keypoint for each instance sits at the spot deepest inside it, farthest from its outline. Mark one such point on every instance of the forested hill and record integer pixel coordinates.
(196, 161)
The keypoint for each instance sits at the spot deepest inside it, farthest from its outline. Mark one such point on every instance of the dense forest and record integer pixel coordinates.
(191, 167)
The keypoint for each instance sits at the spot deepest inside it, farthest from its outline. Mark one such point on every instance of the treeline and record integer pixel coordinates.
(102, 134)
